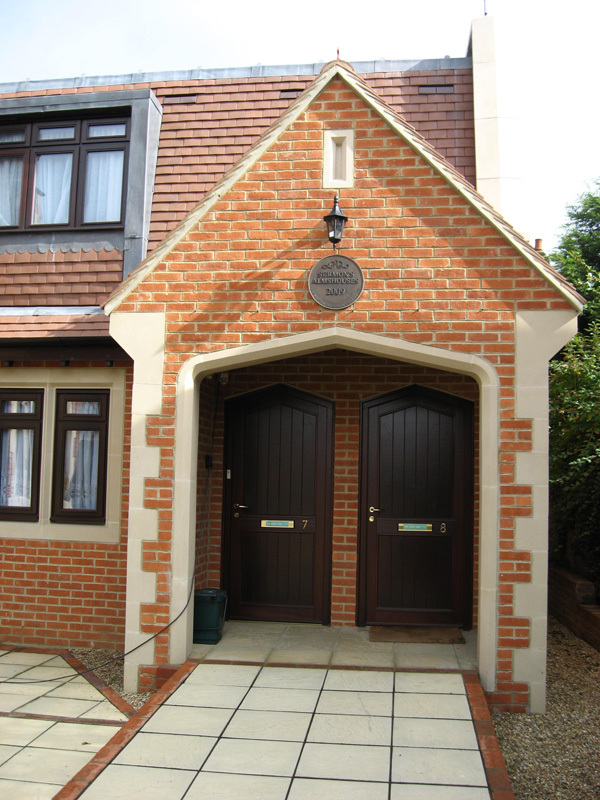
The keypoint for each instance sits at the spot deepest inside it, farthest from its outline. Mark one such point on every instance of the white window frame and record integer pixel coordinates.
(74, 379)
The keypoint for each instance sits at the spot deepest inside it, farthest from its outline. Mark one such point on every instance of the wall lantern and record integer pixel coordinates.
(335, 222)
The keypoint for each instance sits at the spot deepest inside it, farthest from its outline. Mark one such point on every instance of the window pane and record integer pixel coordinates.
(16, 467)
(18, 406)
(11, 178)
(83, 407)
(48, 134)
(52, 190)
(11, 136)
(80, 480)
(114, 129)
(103, 186)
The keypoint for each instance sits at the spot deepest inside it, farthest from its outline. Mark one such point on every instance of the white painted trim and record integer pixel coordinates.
(539, 336)
(186, 448)
(142, 336)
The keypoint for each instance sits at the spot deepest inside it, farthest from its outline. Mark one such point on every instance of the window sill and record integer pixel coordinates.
(51, 531)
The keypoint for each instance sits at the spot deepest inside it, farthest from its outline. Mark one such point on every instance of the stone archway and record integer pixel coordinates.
(186, 428)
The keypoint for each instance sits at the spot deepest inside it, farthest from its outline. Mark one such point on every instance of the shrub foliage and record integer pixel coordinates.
(575, 402)
(575, 455)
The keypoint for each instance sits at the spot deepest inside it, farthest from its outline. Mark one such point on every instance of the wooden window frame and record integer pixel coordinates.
(79, 145)
(25, 422)
(65, 422)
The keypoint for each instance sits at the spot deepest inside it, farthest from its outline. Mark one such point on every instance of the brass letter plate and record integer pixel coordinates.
(415, 526)
(277, 523)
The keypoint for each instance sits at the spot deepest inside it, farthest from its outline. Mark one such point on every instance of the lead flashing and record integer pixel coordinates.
(228, 73)
(49, 311)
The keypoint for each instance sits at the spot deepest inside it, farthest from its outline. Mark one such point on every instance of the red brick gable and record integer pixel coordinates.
(435, 271)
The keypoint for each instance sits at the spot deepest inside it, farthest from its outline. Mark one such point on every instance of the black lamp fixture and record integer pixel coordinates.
(335, 221)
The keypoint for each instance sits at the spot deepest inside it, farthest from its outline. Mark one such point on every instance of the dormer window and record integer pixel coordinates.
(63, 174)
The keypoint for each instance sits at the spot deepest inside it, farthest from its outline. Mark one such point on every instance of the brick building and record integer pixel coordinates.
(188, 395)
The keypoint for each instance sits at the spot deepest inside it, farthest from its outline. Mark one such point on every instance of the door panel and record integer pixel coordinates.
(416, 520)
(277, 514)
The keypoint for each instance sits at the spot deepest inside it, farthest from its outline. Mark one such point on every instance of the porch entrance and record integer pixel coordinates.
(278, 505)
(416, 519)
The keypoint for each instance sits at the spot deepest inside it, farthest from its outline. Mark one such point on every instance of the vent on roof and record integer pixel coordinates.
(437, 88)
(289, 94)
(172, 99)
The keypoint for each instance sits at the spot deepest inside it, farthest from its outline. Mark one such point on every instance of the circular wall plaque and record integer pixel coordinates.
(335, 282)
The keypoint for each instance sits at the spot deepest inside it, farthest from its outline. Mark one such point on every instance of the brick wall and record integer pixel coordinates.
(62, 594)
(572, 600)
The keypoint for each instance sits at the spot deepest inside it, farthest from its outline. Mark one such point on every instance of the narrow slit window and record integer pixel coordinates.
(338, 159)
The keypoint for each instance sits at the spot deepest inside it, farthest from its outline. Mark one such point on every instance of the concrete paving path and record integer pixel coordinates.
(258, 731)
(52, 721)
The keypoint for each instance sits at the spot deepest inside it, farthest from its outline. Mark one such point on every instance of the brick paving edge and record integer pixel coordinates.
(80, 782)
(496, 773)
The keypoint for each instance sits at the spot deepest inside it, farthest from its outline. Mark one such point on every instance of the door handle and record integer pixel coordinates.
(372, 509)
(239, 505)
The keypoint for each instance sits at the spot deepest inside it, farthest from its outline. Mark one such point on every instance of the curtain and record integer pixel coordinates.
(109, 129)
(81, 470)
(16, 466)
(52, 191)
(103, 186)
(11, 178)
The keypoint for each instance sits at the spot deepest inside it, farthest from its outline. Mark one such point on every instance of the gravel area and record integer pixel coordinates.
(556, 756)
(108, 666)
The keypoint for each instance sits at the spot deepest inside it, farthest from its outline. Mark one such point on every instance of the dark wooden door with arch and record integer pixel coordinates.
(416, 509)
(278, 482)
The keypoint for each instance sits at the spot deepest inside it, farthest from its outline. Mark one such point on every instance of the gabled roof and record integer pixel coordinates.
(405, 131)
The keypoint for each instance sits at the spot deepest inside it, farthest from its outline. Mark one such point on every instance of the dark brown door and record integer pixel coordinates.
(277, 514)
(416, 509)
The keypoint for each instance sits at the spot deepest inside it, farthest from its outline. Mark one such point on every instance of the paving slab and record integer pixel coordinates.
(320, 716)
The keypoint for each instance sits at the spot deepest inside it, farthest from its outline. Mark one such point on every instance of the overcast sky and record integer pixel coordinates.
(547, 57)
